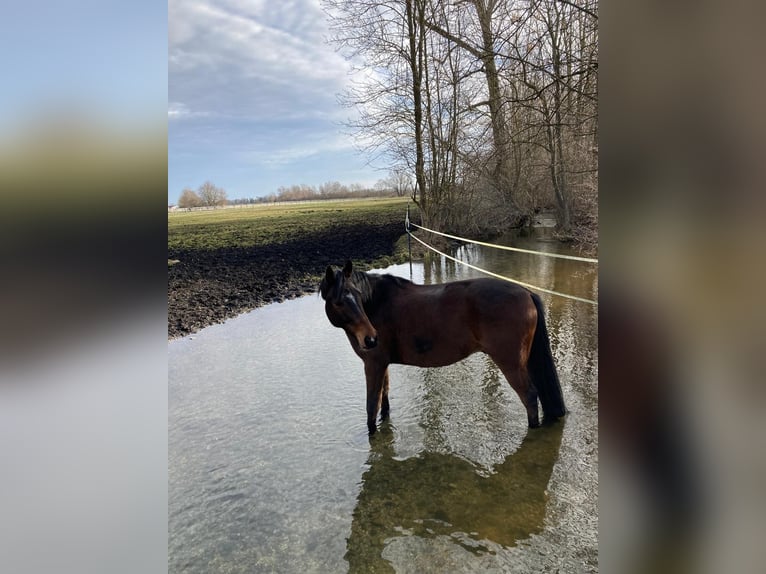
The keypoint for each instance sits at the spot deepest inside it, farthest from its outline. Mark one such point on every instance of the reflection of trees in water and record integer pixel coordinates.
(437, 269)
(436, 494)
(573, 328)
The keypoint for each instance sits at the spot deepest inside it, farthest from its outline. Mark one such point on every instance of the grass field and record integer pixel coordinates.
(268, 224)
(227, 261)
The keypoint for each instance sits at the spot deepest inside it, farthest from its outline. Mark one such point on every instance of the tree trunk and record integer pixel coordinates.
(558, 164)
(486, 53)
(484, 11)
(416, 33)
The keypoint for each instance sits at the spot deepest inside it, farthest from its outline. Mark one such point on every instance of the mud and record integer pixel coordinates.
(210, 286)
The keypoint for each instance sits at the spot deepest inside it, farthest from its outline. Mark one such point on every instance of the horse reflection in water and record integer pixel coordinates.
(439, 495)
(391, 320)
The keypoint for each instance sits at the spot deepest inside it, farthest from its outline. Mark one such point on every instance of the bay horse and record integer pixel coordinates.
(390, 320)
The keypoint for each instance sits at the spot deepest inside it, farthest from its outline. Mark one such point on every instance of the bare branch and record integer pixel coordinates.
(580, 8)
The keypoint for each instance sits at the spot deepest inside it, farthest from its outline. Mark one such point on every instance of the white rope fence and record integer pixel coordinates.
(543, 253)
(527, 285)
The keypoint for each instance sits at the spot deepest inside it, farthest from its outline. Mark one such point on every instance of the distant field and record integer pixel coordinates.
(228, 261)
(267, 224)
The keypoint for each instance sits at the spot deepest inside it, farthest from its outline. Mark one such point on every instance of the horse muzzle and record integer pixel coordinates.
(366, 339)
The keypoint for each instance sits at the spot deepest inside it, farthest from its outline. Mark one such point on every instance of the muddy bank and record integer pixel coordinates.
(210, 286)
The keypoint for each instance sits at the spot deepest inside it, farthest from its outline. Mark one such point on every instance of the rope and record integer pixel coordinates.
(527, 285)
(543, 253)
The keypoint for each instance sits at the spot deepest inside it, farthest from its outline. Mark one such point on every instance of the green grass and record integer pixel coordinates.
(267, 224)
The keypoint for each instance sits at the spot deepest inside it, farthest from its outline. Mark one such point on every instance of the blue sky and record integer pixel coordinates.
(252, 99)
(101, 60)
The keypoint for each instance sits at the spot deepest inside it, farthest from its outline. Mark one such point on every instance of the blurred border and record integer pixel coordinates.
(682, 242)
(83, 176)
(83, 186)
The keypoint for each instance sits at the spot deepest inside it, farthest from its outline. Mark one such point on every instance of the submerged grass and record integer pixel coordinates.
(269, 224)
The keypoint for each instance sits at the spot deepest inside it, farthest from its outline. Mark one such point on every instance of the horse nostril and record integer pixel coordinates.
(370, 342)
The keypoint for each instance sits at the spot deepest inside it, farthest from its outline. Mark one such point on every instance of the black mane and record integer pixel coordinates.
(357, 281)
(369, 285)
(360, 282)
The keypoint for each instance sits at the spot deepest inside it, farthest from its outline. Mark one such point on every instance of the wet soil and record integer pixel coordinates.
(210, 286)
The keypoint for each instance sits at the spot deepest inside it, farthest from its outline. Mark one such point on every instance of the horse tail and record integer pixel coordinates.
(542, 370)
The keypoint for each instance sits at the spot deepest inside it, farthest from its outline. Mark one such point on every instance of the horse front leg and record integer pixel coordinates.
(385, 408)
(375, 374)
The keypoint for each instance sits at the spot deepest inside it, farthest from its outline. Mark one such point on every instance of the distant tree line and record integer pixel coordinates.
(397, 184)
(393, 186)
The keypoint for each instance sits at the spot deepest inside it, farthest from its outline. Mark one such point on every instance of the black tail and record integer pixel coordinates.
(542, 370)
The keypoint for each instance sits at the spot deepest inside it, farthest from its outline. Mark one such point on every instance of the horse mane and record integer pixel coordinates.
(368, 285)
(381, 285)
(361, 282)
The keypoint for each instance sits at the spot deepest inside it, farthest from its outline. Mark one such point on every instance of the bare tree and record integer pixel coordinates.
(399, 181)
(490, 105)
(557, 63)
(211, 195)
(332, 188)
(189, 199)
(386, 40)
(481, 44)
(399, 113)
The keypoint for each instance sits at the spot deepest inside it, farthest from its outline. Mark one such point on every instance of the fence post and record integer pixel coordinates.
(409, 238)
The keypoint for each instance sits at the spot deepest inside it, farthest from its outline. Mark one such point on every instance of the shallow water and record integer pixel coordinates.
(271, 469)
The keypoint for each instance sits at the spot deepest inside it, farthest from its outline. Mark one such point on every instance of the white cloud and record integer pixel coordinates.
(177, 110)
(287, 154)
(252, 59)
(283, 157)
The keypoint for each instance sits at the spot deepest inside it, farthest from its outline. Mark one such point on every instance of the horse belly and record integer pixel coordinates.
(434, 330)
(426, 350)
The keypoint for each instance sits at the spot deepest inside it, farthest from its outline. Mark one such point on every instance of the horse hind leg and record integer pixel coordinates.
(520, 382)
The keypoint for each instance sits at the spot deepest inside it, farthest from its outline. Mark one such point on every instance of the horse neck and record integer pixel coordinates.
(383, 290)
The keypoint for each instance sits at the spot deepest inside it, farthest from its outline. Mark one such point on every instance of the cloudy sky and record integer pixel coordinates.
(252, 105)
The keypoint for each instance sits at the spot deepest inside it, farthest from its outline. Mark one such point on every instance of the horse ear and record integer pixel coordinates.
(329, 276)
(347, 268)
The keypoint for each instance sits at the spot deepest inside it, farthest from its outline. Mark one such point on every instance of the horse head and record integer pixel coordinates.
(345, 292)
